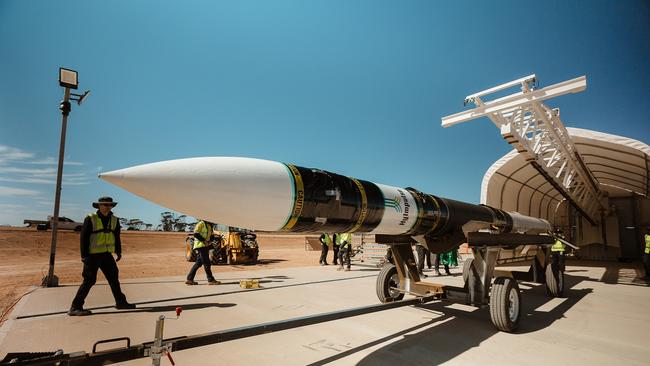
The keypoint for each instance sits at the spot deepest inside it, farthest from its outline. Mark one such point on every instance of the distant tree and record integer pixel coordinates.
(167, 221)
(190, 226)
(134, 224)
(179, 223)
(123, 222)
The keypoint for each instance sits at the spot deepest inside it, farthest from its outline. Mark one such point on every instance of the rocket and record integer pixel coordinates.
(271, 196)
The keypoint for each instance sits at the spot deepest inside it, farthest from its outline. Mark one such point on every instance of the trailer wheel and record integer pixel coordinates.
(41, 227)
(467, 267)
(554, 279)
(537, 270)
(387, 283)
(190, 255)
(505, 304)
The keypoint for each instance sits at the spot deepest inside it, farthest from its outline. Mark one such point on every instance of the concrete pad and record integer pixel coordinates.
(603, 320)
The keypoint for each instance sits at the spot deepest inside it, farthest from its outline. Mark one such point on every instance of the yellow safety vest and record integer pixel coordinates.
(345, 237)
(327, 240)
(647, 243)
(102, 240)
(558, 246)
(205, 230)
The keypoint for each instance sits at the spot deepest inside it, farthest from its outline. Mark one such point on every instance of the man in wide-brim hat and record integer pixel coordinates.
(104, 201)
(100, 238)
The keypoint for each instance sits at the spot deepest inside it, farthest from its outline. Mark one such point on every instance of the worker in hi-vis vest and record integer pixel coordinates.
(335, 248)
(558, 248)
(646, 254)
(345, 247)
(203, 233)
(100, 238)
(325, 242)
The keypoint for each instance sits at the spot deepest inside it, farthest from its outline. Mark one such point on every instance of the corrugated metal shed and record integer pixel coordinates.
(618, 165)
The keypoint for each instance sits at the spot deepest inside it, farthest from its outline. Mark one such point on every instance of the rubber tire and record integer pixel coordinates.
(41, 227)
(500, 304)
(190, 255)
(384, 283)
(78, 228)
(538, 271)
(554, 280)
(467, 265)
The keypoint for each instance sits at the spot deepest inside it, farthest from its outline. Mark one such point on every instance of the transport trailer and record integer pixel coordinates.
(160, 347)
(483, 285)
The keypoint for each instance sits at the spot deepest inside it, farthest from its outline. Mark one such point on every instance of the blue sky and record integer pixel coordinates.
(354, 87)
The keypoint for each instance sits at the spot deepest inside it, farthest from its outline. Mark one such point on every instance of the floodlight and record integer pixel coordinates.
(68, 78)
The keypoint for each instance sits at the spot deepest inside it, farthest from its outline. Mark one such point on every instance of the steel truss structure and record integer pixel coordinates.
(536, 132)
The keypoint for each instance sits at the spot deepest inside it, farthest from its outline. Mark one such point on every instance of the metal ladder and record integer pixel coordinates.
(537, 133)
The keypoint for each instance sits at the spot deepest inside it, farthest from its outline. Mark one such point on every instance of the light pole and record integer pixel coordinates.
(68, 80)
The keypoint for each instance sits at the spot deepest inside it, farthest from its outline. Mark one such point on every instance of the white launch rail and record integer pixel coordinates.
(536, 132)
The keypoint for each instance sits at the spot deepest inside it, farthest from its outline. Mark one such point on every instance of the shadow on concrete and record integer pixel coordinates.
(228, 281)
(169, 308)
(442, 274)
(452, 331)
(211, 294)
(616, 273)
(264, 262)
(366, 269)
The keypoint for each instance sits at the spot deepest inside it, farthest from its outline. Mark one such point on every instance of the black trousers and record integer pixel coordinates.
(646, 264)
(344, 256)
(558, 257)
(423, 253)
(436, 264)
(202, 259)
(95, 262)
(336, 249)
(323, 253)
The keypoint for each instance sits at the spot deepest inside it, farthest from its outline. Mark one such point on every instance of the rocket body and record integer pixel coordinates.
(271, 196)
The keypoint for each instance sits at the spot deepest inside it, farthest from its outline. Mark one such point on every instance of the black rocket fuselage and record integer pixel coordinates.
(329, 202)
(272, 196)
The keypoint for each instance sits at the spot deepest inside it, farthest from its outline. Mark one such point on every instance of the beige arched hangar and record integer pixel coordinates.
(618, 166)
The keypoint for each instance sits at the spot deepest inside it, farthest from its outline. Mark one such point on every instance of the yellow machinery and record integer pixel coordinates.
(234, 246)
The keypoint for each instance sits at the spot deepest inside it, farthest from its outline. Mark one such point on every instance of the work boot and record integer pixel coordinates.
(78, 312)
(323, 264)
(191, 283)
(213, 282)
(437, 272)
(447, 271)
(125, 306)
(347, 269)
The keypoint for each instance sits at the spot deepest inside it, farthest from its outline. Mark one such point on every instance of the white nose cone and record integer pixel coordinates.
(248, 193)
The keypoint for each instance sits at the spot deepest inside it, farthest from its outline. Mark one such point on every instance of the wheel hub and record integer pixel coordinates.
(513, 305)
(393, 286)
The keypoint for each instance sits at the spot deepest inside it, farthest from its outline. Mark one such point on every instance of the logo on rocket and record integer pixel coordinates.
(395, 203)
